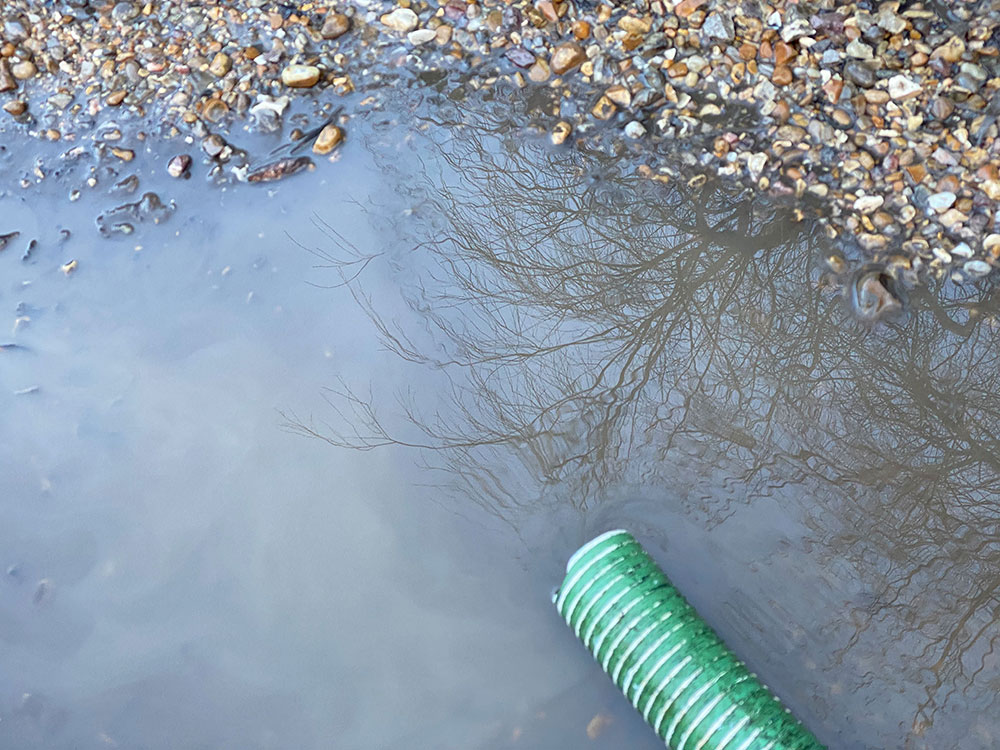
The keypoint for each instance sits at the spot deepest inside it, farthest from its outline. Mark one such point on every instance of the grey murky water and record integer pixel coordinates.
(540, 345)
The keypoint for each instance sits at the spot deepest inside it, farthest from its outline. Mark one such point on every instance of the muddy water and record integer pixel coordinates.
(510, 348)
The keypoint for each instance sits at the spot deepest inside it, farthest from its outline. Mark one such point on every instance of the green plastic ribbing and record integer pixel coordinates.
(672, 666)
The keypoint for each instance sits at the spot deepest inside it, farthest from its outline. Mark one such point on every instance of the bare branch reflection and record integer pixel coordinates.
(600, 329)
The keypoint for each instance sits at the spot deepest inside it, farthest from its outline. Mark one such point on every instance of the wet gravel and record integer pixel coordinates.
(877, 119)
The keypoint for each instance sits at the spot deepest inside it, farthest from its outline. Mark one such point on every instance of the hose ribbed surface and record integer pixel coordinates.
(672, 667)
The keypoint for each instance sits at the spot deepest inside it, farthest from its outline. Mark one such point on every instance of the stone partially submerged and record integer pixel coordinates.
(873, 294)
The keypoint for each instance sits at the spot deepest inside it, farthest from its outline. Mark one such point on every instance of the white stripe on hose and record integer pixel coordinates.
(673, 698)
(590, 605)
(630, 675)
(701, 715)
(749, 740)
(733, 732)
(600, 616)
(653, 670)
(599, 539)
(664, 616)
(715, 727)
(626, 628)
(568, 611)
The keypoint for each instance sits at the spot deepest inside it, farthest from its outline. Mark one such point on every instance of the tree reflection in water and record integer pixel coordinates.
(598, 329)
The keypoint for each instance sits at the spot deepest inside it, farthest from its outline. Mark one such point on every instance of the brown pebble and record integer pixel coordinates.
(300, 76)
(7, 80)
(561, 132)
(566, 56)
(634, 25)
(581, 30)
(125, 154)
(782, 111)
(917, 172)
(619, 95)
(221, 64)
(951, 51)
(24, 70)
(328, 139)
(782, 75)
(783, 52)
(115, 98)
(747, 51)
(948, 183)
(678, 70)
(214, 110)
(335, 25)
(686, 7)
(876, 96)
(604, 108)
(539, 72)
(548, 9)
(833, 89)
(842, 117)
(15, 107)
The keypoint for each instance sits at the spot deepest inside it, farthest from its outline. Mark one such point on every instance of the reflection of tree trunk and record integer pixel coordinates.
(598, 328)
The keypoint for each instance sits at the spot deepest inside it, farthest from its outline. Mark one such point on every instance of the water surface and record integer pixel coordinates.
(511, 347)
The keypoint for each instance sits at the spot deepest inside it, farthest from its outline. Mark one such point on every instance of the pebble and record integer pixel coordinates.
(221, 64)
(179, 165)
(604, 108)
(15, 107)
(782, 75)
(756, 164)
(7, 80)
(520, 57)
(328, 139)
(859, 74)
(115, 98)
(901, 87)
(860, 50)
(421, 36)
(867, 204)
(562, 131)
(951, 51)
(795, 29)
(941, 201)
(889, 21)
(951, 217)
(23, 70)
(215, 110)
(300, 76)
(213, 145)
(977, 268)
(566, 56)
(401, 19)
(719, 26)
(335, 25)
(635, 129)
(539, 71)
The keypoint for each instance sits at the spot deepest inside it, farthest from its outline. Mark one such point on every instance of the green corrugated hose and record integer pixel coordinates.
(671, 665)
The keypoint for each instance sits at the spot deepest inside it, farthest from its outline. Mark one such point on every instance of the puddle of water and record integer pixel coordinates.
(575, 348)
